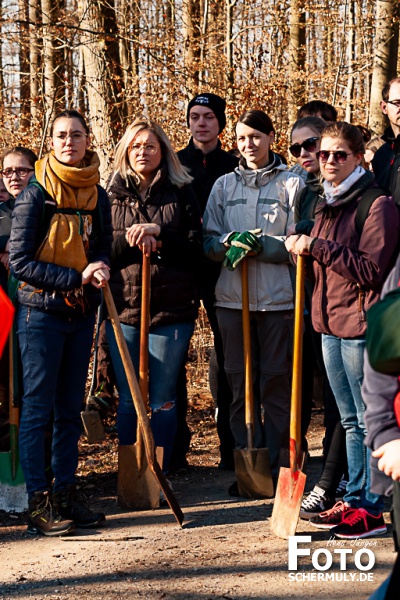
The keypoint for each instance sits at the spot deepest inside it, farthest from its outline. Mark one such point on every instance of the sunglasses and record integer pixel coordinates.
(309, 145)
(339, 156)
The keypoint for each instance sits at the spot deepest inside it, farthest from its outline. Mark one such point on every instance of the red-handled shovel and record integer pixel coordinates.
(291, 482)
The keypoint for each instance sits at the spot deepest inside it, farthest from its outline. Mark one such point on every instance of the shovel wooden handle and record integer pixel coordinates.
(144, 349)
(248, 371)
(295, 404)
(141, 412)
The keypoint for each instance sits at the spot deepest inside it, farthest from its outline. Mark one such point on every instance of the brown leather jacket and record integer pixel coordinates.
(350, 267)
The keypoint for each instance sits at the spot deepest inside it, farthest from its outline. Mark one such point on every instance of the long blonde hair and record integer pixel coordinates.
(178, 174)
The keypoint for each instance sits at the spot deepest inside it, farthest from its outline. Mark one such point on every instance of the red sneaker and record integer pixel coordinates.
(359, 523)
(331, 518)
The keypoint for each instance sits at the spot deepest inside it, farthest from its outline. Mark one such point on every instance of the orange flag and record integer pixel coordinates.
(6, 318)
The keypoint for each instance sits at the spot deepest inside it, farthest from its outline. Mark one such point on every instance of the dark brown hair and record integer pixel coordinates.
(26, 152)
(70, 114)
(349, 133)
(257, 119)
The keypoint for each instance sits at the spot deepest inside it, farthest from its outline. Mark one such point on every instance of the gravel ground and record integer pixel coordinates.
(225, 549)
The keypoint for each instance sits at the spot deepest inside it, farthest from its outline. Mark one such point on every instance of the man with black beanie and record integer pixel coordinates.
(207, 161)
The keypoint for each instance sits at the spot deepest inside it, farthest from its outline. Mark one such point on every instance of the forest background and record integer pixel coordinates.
(113, 59)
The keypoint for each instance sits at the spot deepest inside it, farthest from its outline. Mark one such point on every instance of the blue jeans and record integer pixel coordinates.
(168, 345)
(55, 352)
(344, 361)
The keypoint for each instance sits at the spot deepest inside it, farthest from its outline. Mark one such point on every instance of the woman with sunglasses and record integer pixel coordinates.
(59, 251)
(349, 268)
(259, 195)
(306, 140)
(154, 212)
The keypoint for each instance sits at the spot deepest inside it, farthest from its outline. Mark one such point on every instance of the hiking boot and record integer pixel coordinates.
(44, 519)
(359, 523)
(315, 503)
(341, 489)
(71, 505)
(332, 517)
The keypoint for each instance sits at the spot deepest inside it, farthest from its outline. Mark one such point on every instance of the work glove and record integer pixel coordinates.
(240, 245)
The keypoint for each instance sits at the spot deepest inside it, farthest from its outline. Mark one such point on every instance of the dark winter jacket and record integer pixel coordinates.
(350, 266)
(378, 392)
(173, 296)
(306, 201)
(40, 282)
(386, 165)
(6, 209)
(206, 168)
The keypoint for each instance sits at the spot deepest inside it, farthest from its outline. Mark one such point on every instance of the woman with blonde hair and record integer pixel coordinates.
(154, 211)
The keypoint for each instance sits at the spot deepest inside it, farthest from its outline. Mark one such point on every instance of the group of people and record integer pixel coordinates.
(197, 214)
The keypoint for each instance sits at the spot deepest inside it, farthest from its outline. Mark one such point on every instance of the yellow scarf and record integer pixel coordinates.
(74, 189)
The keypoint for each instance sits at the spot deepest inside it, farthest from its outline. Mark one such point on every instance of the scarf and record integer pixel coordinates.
(332, 193)
(74, 189)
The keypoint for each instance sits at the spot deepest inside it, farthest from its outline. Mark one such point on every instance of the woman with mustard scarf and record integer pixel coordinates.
(59, 252)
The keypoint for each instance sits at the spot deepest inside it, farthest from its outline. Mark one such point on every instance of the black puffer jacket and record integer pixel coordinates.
(40, 282)
(386, 165)
(173, 296)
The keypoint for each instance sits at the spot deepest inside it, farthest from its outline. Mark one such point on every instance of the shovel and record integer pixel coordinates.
(13, 496)
(252, 467)
(137, 487)
(140, 408)
(291, 482)
(92, 423)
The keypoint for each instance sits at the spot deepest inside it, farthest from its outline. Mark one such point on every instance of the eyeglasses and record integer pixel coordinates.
(339, 156)
(21, 172)
(149, 148)
(76, 137)
(395, 103)
(309, 145)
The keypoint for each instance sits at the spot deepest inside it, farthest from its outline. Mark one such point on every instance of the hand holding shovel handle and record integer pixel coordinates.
(140, 408)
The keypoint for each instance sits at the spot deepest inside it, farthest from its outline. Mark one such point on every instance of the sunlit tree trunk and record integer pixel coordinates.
(34, 13)
(297, 42)
(385, 58)
(96, 77)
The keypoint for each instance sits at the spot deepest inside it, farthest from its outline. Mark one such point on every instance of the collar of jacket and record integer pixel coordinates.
(259, 177)
(388, 136)
(314, 182)
(196, 152)
(354, 192)
(128, 187)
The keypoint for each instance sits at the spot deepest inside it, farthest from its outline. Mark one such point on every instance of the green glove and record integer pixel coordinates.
(241, 245)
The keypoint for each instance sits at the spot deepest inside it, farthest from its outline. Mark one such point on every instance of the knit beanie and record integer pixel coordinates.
(214, 103)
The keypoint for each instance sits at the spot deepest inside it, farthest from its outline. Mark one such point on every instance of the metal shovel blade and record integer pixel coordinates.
(93, 426)
(289, 494)
(137, 487)
(253, 473)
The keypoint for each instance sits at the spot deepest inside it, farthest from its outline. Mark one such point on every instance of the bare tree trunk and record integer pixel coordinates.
(297, 42)
(386, 46)
(96, 83)
(191, 45)
(34, 12)
(350, 57)
(24, 65)
(48, 60)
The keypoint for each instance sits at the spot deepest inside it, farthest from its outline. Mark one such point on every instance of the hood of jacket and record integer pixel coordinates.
(257, 178)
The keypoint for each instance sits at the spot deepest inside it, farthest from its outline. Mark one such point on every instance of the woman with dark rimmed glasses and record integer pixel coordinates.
(349, 267)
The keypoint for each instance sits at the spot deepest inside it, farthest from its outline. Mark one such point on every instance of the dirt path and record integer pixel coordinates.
(225, 549)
